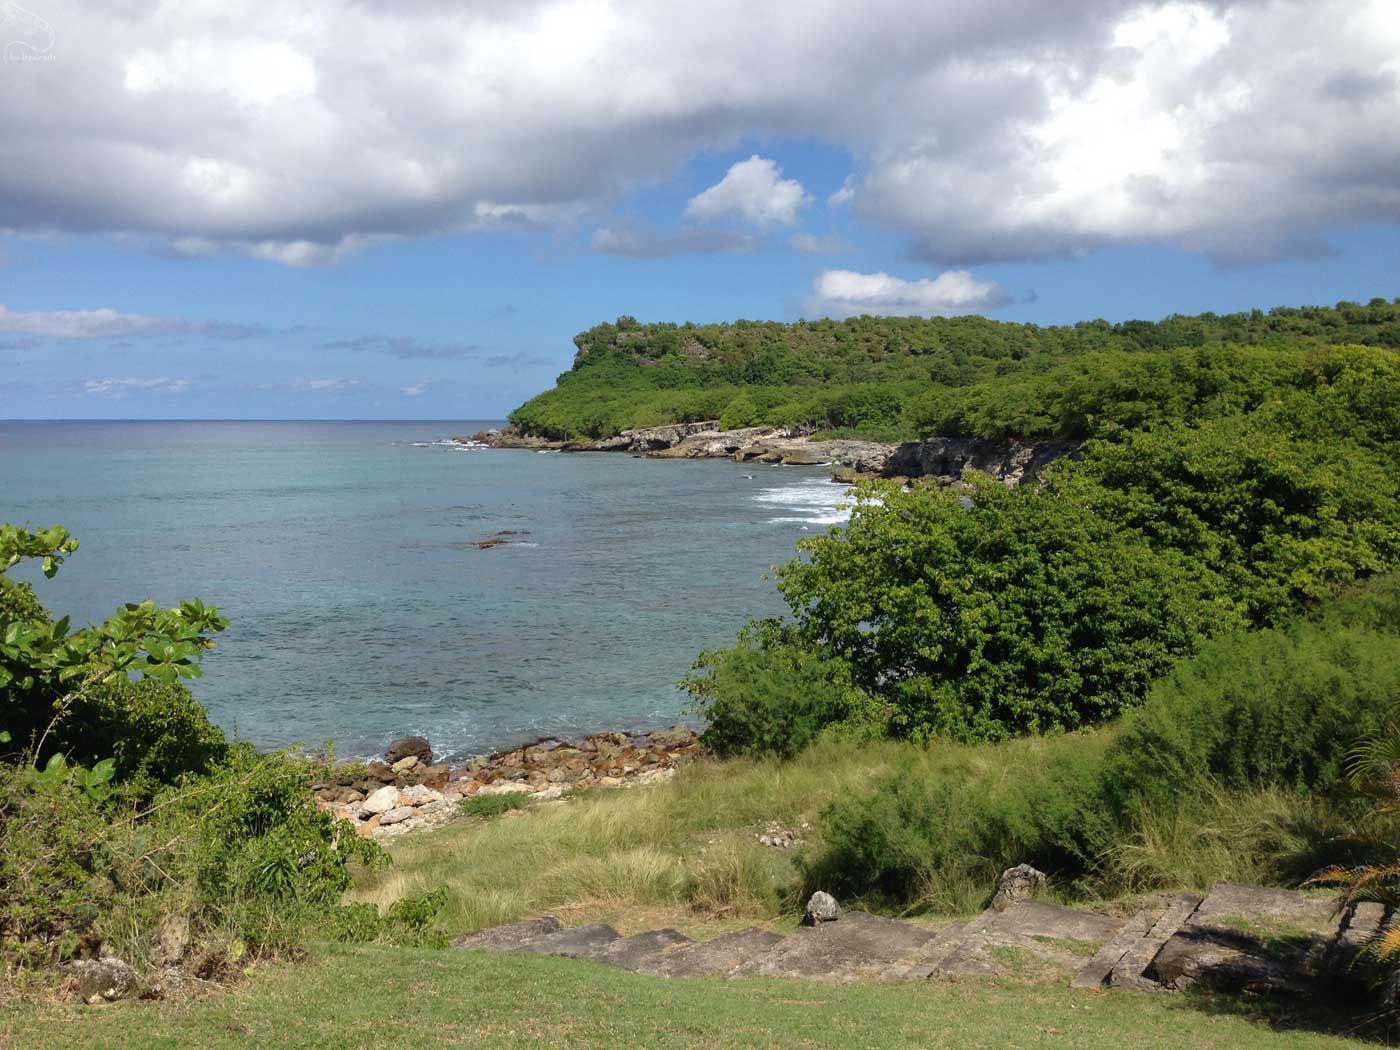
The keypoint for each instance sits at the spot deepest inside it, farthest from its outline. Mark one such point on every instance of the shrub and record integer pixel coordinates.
(1267, 716)
(768, 695)
(488, 806)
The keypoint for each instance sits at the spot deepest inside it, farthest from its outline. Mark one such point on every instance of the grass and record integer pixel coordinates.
(685, 852)
(488, 806)
(357, 998)
(685, 849)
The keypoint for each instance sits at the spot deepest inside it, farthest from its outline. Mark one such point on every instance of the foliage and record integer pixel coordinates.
(769, 695)
(488, 806)
(903, 377)
(46, 669)
(1271, 711)
(1021, 611)
(242, 853)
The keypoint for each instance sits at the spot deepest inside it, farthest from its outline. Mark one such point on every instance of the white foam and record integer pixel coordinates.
(813, 501)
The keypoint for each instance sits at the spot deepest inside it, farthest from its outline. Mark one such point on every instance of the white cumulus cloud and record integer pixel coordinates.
(123, 387)
(755, 190)
(106, 323)
(846, 293)
(1002, 129)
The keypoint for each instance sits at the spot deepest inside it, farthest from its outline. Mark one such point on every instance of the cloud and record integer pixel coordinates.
(105, 323)
(328, 386)
(844, 195)
(813, 244)
(123, 387)
(1003, 129)
(639, 242)
(754, 190)
(416, 390)
(846, 293)
(403, 347)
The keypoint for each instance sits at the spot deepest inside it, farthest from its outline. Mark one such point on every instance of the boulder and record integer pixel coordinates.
(366, 828)
(395, 816)
(675, 737)
(170, 940)
(417, 746)
(436, 777)
(378, 772)
(822, 907)
(104, 980)
(383, 800)
(419, 795)
(404, 764)
(1017, 884)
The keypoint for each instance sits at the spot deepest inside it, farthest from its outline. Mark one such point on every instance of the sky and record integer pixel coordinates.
(408, 208)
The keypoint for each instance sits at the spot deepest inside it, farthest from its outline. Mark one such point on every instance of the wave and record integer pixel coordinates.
(812, 501)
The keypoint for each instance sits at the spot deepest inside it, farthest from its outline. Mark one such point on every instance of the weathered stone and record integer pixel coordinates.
(379, 772)
(581, 941)
(1044, 932)
(506, 788)
(395, 816)
(417, 746)
(509, 937)
(1228, 901)
(858, 945)
(436, 777)
(419, 795)
(821, 907)
(1219, 958)
(1095, 972)
(404, 764)
(366, 828)
(169, 940)
(1131, 970)
(383, 800)
(1017, 884)
(675, 737)
(717, 957)
(631, 953)
(103, 980)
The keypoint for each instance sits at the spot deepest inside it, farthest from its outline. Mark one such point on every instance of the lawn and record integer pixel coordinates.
(347, 998)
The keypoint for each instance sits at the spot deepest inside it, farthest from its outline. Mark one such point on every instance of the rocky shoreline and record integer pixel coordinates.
(940, 458)
(407, 790)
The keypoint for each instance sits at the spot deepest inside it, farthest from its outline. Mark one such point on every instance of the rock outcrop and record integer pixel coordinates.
(945, 459)
(382, 800)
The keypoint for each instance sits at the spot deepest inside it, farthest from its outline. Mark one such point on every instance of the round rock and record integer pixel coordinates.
(414, 746)
(822, 907)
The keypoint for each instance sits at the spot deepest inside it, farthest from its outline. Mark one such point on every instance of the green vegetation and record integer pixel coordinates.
(894, 378)
(354, 998)
(488, 806)
(988, 612)
(122, 808)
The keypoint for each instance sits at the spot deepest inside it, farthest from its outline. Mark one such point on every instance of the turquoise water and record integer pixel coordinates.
(360, 612)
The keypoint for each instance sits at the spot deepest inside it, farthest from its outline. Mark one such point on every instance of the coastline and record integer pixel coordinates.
(942, 459)
(408, 790)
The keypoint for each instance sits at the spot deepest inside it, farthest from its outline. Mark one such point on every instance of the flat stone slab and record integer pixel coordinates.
(1053, 935)
(856, 944)
(1131, 970)
(1228, 902)
(631, 952)
(581, 942)
(1221, 959)
(932, 955)
(510, 937)
(717, 957)
(1097, 969)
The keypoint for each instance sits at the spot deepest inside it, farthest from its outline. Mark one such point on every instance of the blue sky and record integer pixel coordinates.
(268, 251)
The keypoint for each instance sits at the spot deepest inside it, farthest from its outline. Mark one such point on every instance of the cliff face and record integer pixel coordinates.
(943, 458)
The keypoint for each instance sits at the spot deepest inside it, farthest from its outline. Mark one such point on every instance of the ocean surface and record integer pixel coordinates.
(360, 611)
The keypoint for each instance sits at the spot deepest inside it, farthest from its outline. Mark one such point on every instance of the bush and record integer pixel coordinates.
(1271, 713)
(488, 806)
(768, 695)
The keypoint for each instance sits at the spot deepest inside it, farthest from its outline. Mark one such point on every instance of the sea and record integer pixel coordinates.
(344, 554)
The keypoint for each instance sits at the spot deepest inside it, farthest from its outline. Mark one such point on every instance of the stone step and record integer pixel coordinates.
(1047, 932)
(1131, 971)
(1097, 969)
(581, 942)
(928, 958)
(856, 945)
(631, 953)
(510, 937)
(717, 957)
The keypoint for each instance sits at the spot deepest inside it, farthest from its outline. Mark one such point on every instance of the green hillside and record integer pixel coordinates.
(898, 378)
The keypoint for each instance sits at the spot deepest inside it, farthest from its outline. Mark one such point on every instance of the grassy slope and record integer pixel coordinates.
(371, 997)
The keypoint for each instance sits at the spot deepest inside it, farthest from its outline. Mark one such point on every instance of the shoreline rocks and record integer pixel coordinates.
(382, 800)
(944, 459)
